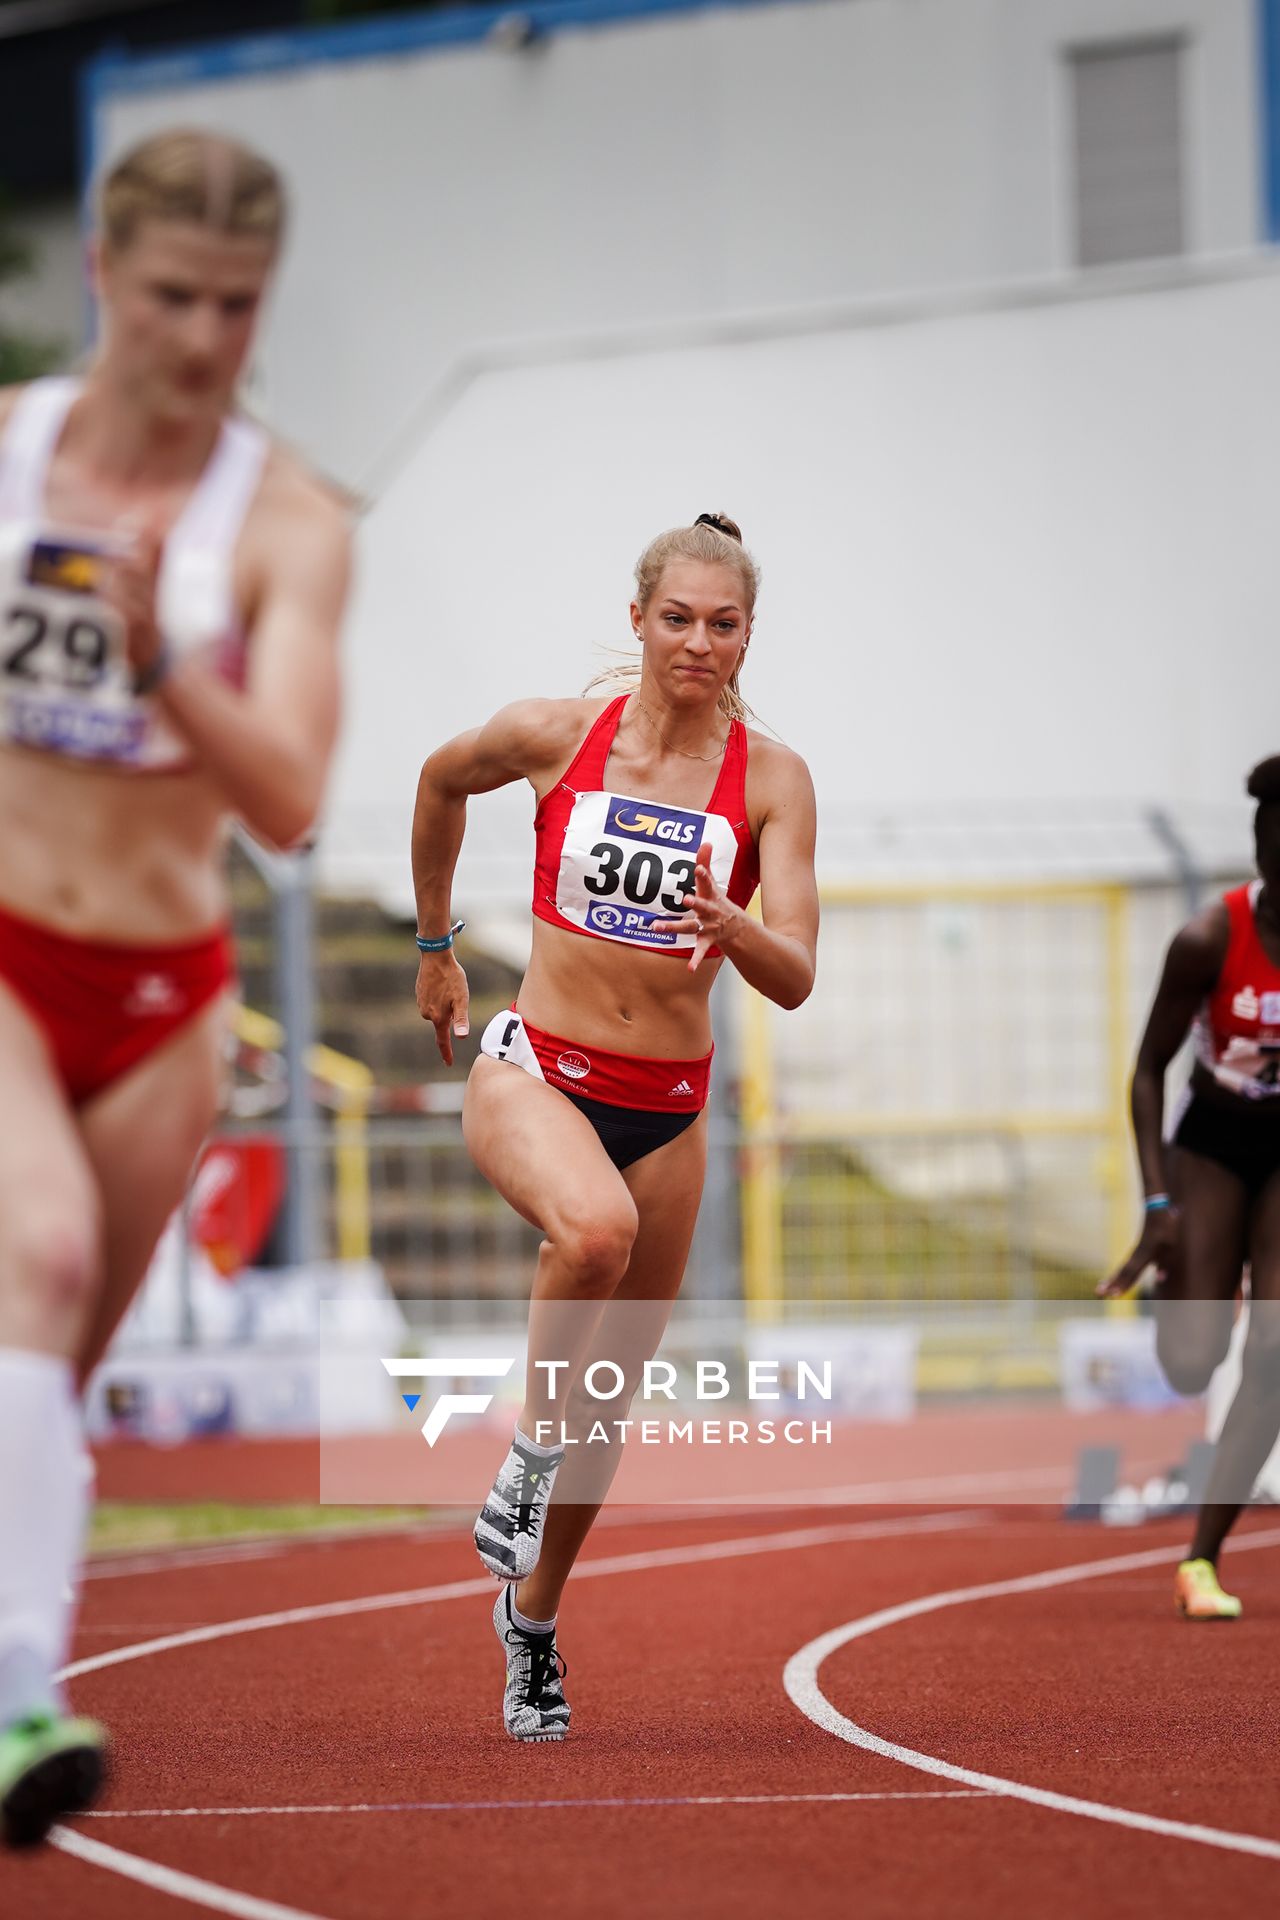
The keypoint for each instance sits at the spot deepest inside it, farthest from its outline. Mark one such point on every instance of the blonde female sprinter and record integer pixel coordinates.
(659, 812)
(171, 585)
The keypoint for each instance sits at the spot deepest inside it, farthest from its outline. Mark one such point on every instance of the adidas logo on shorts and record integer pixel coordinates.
(681, 1087)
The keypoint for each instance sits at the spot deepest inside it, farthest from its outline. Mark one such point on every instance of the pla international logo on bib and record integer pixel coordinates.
(661, 826)
(632, 924)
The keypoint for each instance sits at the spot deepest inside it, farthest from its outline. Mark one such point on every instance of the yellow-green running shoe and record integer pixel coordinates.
(49, 1766)
(1197, 1595)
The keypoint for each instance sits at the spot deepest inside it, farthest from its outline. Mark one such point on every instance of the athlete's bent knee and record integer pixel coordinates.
(594, 1248)
(51, 1271)
(1190, 1371)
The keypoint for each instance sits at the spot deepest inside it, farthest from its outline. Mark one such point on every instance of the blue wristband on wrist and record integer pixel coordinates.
(443, 944)
(1157, 1203)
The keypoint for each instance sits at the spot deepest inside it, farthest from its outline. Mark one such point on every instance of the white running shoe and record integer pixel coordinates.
(533, 1704)
(508, 1529)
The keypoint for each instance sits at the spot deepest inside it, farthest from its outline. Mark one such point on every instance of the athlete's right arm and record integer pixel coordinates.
(1191, 968)
(518, 743)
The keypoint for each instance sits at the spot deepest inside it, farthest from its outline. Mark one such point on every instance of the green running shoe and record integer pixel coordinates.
(1197, 1595)
(49, 1766)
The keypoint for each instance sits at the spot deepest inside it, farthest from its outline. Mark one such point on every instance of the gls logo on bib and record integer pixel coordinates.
(644, 820)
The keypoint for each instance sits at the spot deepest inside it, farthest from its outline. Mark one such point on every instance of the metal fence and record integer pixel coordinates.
(945, 1120)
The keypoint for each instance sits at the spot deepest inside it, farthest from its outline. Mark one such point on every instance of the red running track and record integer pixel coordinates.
(691, 1785)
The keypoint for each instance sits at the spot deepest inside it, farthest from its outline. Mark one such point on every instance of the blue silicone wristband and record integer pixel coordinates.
(444, 943)
(1157, 1203)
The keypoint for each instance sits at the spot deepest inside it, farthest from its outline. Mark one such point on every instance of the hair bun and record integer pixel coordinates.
(721, 523)
(1263, 784)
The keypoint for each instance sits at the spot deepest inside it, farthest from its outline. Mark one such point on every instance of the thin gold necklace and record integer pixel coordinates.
(671, 747)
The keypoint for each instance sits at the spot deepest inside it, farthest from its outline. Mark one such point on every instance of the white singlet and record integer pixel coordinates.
(65, 684)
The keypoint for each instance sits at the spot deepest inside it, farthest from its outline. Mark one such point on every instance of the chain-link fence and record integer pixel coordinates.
(945, 1119)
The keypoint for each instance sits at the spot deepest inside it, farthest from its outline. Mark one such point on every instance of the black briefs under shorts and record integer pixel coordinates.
(1246, 1144)
(628, 1133)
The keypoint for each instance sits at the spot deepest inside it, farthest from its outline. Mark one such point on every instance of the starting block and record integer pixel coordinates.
(1097, 1475)
(1195, 1470)
(1099, 1495)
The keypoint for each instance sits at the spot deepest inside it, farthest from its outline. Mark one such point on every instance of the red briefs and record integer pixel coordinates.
(102, 1007)
(615, 1079)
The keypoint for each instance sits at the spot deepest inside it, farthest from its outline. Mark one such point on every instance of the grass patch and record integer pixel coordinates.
(125, 1526)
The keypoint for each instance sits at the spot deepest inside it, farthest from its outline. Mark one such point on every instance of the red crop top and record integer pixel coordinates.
(609, 865)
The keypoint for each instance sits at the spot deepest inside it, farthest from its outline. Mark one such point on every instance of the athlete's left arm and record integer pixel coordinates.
(268, 746)
(776, 954)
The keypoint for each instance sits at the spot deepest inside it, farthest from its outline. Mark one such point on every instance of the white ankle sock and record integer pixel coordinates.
(536, 1446)
(526, 1625)
(43, 1509)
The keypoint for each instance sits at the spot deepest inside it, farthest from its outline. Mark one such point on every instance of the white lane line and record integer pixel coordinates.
(925, 1490)
(642, 1562)
(931, 1489)
(121, 1564)
(130, 1626)
(521, 1806)
(183, 1886)
(800, 1678)
(240, 1906)
(126, 1566)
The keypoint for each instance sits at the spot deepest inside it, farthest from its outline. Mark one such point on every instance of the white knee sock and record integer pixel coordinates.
(44, 1500)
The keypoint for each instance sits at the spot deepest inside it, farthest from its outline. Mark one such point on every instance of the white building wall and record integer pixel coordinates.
(1020, 555)
(1016, 542)
(679, 167)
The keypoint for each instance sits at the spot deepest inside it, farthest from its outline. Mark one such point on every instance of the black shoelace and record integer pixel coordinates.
(527, 1517)
(547, 1665)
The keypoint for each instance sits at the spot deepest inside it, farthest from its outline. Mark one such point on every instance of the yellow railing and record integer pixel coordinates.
(768, 1131)
(351, 1084)
(761, 1183)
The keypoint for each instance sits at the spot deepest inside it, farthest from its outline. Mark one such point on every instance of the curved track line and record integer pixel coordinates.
(239, 1906)
(183, 1886)
(800, 1678)
(587, 1570)
(521, 1806)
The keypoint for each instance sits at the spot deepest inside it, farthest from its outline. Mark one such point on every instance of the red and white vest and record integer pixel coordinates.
(609, 865)
(1237, 1033)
